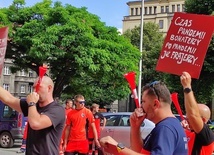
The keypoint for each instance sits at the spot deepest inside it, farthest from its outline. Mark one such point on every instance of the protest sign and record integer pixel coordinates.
(3, 45)
(186, 44)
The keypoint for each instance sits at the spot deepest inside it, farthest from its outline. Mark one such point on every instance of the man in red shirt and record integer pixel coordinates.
(75, 132)
(98, 118)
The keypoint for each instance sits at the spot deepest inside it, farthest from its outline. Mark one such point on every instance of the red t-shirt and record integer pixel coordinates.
(77, 119)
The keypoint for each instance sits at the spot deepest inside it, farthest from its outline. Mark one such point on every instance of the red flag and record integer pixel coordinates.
(3, 45)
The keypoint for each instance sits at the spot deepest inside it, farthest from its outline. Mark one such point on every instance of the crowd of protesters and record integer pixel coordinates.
(75, 129)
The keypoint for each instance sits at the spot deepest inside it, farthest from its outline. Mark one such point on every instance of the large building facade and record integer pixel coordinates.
(157, 11)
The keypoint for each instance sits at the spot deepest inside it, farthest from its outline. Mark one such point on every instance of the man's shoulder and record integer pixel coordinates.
(55, 106)
(206, 130)
(170, 122)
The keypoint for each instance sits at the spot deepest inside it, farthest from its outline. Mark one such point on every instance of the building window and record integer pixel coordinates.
(6, 70)
(6, 86)
(173, 8)
(132, 11)
(30, 88)
(167, 9)
(145, 10)
(150, 10)
(30, 73)
(178, 8)
(162, 9)
(136, 11)
(22, 88)
(140, 11)
(155, 10)
(160, 24)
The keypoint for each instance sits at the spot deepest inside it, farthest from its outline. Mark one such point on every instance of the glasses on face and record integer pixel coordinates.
(81, 102)
(152, 85)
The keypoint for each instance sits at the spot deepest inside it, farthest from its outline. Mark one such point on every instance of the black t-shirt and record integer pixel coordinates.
(203, 138)
(45, 141)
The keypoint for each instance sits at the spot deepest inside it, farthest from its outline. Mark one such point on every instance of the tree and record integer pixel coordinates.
(199, 6)
(84, 55)
(152, 43)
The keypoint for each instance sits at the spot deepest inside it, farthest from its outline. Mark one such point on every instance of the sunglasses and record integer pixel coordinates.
(152, 85)
(81, 102)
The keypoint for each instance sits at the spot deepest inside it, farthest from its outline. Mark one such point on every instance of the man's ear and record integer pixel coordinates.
(156, 103)
(203, 119)
(50, 87)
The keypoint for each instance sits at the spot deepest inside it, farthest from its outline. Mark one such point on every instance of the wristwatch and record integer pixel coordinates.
(187, 90)
(31, 104)
(120, 147)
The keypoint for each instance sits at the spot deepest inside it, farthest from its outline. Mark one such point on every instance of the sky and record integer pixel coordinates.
(110, 12)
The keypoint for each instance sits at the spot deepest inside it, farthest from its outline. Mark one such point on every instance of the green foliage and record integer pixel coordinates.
(84, 55)
(199, 6)
(152, 43)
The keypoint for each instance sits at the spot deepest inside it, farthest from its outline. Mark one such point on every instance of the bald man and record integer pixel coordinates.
(45, 117)
(197, 117)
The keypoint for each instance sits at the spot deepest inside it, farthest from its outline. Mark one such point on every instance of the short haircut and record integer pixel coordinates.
(76, 97)
(94, 105)
(68, 100)
(160, 90)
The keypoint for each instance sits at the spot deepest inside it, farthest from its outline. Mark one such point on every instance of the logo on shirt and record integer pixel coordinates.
(82, 115)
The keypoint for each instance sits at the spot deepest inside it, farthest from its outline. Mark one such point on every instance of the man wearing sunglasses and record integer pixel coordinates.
(168, 136)
(197, 117)
(76, 141)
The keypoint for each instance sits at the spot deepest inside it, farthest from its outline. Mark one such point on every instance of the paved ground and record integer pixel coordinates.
(13, 150)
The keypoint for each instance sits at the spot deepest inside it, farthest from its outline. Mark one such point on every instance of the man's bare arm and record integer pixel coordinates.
(104, 123)
(10, 100)
(38, 121)
(95, 134)
(191, 105)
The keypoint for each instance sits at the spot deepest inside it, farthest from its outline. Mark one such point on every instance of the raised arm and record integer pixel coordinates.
(7, 98)
(191, 106)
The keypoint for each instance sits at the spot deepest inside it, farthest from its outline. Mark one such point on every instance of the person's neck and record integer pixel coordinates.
(45, 103)
(163, 114)
(67, 107)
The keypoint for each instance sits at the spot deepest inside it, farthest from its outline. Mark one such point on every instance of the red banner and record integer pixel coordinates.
(186, 44)
(3, 45)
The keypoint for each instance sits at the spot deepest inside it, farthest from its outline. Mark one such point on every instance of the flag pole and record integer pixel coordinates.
(141, 50)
